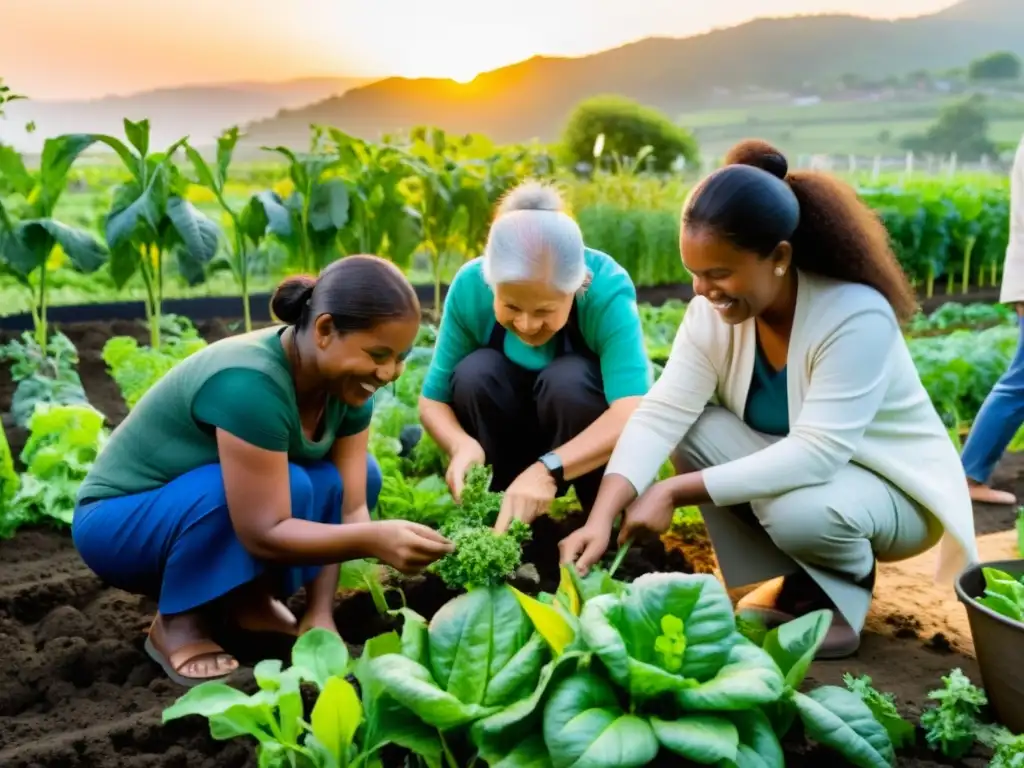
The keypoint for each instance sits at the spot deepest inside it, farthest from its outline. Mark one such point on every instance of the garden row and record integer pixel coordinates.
(570, 667)
(174, 218)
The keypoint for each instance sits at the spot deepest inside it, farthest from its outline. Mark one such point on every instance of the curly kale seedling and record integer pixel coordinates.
(482, 557)
(951, 726)
(883, 707)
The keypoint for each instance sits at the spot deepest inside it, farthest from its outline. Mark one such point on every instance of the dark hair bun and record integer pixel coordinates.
(291, 297)
(759, 154)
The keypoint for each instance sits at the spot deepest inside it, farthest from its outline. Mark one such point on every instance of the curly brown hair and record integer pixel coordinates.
(832, 231)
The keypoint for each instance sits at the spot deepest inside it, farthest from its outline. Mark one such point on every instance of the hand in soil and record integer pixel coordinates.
(170, 633)
(649, 515)
(585, 546)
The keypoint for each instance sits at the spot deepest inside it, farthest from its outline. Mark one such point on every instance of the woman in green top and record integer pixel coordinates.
(225, 488)
(540, 359)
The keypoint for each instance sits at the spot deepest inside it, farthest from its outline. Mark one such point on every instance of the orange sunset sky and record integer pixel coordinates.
(87, 48)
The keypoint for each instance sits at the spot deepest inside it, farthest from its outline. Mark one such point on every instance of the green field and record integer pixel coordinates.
(838, 128)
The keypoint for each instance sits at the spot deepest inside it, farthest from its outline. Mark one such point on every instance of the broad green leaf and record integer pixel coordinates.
(203, 173)
(499, 735)
(206, 699)
(268, 674)
(748, 679)
(839, 719)
(133, 212)
(59, 154)
(84, 251)
(198, 233)
(584, 727)
(476, 644)
(549, 623)
(320, 654)
(793, 645)
(328, 206)
(387, 721)
(411, 685)
(226, 143)
(336, 716)
(415, 637)
(279, 219)
(759, 746)
(622, 630)
(531, 752)
(138, 134)
(704, 739)
(124, 261)
(13, 171)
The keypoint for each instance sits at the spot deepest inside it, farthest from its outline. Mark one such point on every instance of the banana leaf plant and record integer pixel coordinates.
(310, 219)
(451, 199)
(381, 220)
(150, 218)
(32, 241)
(249, 225)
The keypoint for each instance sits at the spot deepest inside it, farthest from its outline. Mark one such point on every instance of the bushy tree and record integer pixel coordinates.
(1001, 65)
(961, 128)
(627, 127)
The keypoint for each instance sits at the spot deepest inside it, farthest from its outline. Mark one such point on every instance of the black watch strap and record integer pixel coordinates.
(553, 464)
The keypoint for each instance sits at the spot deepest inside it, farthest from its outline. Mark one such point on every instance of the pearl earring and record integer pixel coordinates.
(780, 271)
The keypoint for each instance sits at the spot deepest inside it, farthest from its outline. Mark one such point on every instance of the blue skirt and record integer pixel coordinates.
(177, 545)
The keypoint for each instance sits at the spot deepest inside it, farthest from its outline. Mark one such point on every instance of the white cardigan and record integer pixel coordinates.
(1013, 265)
(854, 395)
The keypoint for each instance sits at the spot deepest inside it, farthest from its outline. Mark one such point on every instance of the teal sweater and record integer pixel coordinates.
(608, 317)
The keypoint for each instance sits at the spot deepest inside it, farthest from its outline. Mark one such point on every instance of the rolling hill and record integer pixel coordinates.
(199, 111)
(531, 99)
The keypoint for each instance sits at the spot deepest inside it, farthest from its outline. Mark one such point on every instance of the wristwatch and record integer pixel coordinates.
(553, 464)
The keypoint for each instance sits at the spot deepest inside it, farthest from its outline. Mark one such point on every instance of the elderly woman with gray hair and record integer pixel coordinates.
(540, 359)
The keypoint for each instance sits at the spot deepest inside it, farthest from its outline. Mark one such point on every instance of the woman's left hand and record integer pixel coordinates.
(527, 498)
(649, 514)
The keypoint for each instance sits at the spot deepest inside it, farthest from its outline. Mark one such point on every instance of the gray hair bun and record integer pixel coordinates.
(532, 196)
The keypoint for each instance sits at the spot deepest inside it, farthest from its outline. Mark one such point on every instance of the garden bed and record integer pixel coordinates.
(76, 688)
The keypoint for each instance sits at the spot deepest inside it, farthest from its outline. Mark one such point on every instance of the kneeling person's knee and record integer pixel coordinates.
(570, 385)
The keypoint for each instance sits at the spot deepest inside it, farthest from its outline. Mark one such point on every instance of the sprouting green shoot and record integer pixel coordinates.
(670, 645)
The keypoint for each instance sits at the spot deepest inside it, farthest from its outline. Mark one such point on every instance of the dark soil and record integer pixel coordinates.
(78, 691)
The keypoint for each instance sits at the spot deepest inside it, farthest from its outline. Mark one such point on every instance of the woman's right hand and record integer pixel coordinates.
(467, 453)
(407, 547)
(585, 546)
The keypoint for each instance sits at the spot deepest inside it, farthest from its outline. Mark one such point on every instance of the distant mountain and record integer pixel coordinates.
(201, 111)
(534, 97)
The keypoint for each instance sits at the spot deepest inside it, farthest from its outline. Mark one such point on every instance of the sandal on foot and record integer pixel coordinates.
(172, 663)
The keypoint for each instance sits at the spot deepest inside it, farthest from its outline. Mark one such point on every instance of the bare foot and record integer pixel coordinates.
(317, 619)
(182, 646)
(985, 494)
(258, 612)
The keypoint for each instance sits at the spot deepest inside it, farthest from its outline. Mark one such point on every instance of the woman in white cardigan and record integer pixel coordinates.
(790, 406)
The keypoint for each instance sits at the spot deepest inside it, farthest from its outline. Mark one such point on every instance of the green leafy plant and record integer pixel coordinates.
(883, 707)
(150, 218)
(1004, 593)
(248, 225)
(482, 557)
(43, 375)
(63, 443)
(274, 715)
(136, 369)
(951, 725)
(32, 242)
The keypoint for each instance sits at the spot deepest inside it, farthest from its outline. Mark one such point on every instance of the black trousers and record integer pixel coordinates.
(518, 415)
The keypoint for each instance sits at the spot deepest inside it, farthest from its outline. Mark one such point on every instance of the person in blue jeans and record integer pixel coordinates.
(1002, 413)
